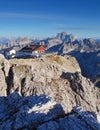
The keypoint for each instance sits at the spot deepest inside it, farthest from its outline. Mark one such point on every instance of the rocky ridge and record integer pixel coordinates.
(41, 94)
(58, 77)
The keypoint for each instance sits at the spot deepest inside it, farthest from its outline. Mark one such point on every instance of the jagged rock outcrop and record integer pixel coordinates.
(61, 36)
(58, 77)
(41, 112)
(39, 75)
(65, 37)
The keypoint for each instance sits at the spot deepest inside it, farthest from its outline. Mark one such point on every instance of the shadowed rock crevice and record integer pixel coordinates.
(9, 80)
(75, 81)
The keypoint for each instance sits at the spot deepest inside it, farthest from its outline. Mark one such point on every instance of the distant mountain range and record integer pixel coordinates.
(67, 43)
(62, 41)
(14, 42)
(86, 51)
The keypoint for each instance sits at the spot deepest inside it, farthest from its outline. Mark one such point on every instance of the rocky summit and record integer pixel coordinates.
(59, 78)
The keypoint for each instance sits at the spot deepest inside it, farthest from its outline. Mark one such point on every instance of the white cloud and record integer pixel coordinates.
(34, 15)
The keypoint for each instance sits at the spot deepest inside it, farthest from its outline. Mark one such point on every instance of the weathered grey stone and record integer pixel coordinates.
(60, 80)
(58, 77)
(4, 69)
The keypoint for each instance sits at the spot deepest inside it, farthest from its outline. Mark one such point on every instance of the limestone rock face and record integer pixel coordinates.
(58, 77)
(4, 70)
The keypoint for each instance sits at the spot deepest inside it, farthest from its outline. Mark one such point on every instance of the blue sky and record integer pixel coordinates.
(43, 18)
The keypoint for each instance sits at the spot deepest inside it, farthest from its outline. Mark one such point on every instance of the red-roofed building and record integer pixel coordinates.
(32, 50)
